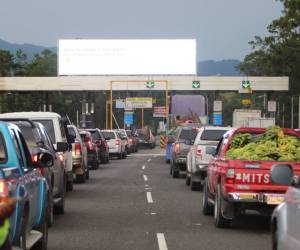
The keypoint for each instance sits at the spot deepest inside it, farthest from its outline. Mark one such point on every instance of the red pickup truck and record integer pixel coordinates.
(234, 186)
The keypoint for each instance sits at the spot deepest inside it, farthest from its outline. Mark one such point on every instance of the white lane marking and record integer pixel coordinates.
(145, 177)
(149, 160)
(143, 167)
(153, 213)
(162, 244)
(146, 185)
(148, 188)
(149, 197)
(142, 155)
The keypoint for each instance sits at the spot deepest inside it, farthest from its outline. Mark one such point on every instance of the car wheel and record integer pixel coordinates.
(120, 156)
(195, 186)
(59, 208)
(107, 158)
(220, 221)
(43, 228)
(167, 161)
(274, 236)
(187, 180)
(207, 209)
(175, 173)
(22, 239)
(50, 212)
(87, 174)
(70, 185)
(80, 178)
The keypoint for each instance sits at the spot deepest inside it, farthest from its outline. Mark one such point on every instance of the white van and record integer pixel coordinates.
(57, 130)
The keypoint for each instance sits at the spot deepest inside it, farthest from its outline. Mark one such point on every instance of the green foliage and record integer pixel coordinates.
(279, 53)
(6, 63)
(272, 145)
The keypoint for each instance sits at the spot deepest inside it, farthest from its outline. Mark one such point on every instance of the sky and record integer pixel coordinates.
(222, 28)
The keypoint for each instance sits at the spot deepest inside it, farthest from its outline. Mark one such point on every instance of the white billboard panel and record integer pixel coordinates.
(127, 57)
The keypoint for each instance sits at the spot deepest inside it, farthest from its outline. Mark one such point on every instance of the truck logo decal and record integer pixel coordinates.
(253, 178)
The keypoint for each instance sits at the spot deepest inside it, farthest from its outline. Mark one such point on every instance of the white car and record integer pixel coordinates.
(57, 130)
(116, 147)
(200, 153)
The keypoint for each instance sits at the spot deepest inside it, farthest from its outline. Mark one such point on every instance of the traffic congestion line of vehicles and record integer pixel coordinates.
(242, 169)
(41, 156)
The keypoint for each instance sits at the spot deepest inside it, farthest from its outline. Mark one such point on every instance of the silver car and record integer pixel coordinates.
(285, 222)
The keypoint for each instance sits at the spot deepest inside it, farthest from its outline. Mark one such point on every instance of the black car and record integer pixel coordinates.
(99, 140)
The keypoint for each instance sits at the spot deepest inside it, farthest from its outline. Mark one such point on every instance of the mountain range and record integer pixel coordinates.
(224, 67)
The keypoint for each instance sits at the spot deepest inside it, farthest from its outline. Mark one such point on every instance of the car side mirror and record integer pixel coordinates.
(71, 138)
(98, 142)
(62, 146)
(282, 174)
(42, 159)
(214, 152)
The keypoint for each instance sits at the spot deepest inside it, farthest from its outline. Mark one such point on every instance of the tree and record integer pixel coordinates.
(20, 63)
(278, 54)
(6, 63)
(43, 65)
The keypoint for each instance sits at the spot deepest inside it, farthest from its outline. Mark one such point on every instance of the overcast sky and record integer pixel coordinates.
(222, 28)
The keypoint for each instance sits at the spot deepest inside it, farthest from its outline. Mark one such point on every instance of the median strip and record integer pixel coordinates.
(162, 244)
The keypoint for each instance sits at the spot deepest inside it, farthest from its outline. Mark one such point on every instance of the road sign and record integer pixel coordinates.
(128, 118)
(217, 118)
(159, 111)
(218, 106)
(150, 84)
(196, 84)
(120, 104)
(246, 101)
(138, 102)
(245, 84)
(245, 91)
(271, 106)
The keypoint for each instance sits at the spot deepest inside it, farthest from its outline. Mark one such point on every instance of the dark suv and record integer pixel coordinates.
(184, 138)
(99, 140)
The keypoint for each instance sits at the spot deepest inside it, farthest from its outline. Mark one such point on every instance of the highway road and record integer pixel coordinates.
(135, 204)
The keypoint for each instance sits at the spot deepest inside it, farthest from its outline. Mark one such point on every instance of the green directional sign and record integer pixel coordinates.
(150, 84)
(196, 84)
(245, 84)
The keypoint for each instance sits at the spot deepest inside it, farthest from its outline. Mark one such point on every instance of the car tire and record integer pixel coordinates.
(80, 178)
(220, 220)
(50, 218)
(187, 180)
(43, 228)
(87, 174)
(22, 239)
(59, 208)
(195, 186)
(70, 186)
(207, 209)
(167, 161)
(274, 236)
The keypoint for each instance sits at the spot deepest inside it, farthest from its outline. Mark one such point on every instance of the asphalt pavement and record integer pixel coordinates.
(135, 204)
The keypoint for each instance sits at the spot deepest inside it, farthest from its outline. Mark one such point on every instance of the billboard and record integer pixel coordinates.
(127, 57)
(138, 102)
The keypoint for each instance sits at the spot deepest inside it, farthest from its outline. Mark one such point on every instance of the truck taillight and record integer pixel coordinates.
(90, 145)
(77, 148)
(118, 142)
(177, 148)
(130, 141)
(230, 174)
(61, 158)
(4, 192)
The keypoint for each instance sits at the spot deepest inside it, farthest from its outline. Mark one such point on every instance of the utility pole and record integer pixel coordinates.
(292, 112)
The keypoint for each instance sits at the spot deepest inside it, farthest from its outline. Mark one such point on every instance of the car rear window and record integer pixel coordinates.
(3, 152)
(72, 131)
(108, 135)
(28, 136)
(95, 135)
(188, 134)
(212, 135)
(48, 124)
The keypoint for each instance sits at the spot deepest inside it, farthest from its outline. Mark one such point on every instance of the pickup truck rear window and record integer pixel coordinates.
(48, 124)
(212, 135)
(108, 135)
(3, 152)
(96, 136)
(188, 134)
(28, 136)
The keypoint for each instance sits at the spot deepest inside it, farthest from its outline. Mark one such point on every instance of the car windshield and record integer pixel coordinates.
(95, 135)
(188, 134)
(48, 124)
(108, 135)
(212, 135)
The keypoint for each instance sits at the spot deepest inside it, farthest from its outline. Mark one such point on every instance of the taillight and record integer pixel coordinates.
(90, 145)
(118, 142)
(4, 192)
(77, 148)
(230, 176)
(61, 158)
(130, 141)
(177, 148)
(35, 158)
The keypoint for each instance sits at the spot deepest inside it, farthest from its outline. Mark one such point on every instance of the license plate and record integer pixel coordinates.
(275, 199)
(247, 196)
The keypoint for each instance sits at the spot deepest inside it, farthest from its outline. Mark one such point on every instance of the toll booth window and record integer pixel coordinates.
(3, 152)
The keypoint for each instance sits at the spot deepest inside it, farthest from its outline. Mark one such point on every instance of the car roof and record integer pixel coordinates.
(30, 115)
